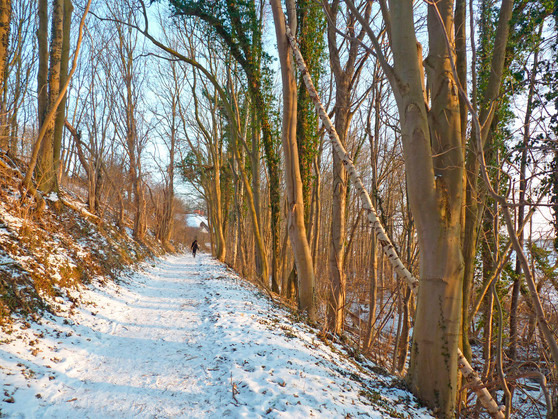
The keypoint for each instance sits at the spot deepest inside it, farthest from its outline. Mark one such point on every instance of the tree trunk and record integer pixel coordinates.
(316, 199)
(472, 214)
(521, 209)
(252, 208)
(87, 166)
(434, 166)
(488, 266)
(46, 174)
(169, 202)
(337, 291)
(221, 248)
(344, 83)
(5, 17)
(48, 119)
(372, 294)
(132, 147)
(403, 343)
(42, 73)
(295, 202)
(238, 199)
(272, 162)
(137, 191)
(373, 268)
(472, 217)
(461, 64)
(255, 169)
(64, 60)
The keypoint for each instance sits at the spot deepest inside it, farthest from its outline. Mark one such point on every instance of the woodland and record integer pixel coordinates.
(386, 168)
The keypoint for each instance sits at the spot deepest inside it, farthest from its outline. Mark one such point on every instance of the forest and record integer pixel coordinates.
(388, 169)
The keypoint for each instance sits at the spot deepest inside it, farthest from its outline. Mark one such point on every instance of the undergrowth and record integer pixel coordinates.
(44, 254)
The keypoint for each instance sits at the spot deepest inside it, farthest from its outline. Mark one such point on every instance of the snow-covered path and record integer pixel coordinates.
(185, 338)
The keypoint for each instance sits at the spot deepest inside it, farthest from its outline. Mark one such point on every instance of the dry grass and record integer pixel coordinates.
(44, 254)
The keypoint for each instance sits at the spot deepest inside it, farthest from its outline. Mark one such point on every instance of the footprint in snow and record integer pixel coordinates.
(246, 366)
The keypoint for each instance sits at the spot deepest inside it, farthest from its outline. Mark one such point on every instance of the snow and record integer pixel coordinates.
(8, 220)
(53, 196)
(195, 220)
(184, 338)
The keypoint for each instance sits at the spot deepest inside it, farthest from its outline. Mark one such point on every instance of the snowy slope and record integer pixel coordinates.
(184, 338)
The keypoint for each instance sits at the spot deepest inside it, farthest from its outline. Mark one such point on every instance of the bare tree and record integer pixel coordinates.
(295, 201)
(46, 175)
(5, 18)
(128, 92)
(345, 82)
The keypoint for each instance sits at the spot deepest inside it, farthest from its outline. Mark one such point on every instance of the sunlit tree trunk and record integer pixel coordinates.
(434, 166)
(5, 17)
(61, 113)
(46, 174)
(295, 202)
(255, 169)
(42, 72)
(317, 213)
(127, 68)
(135, 178)
(337, 287)
(220, 250)
(167, 216)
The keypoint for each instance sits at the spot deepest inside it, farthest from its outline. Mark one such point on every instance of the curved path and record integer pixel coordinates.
(184, 338)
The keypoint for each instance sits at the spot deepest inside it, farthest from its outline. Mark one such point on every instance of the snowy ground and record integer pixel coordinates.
(184, 338)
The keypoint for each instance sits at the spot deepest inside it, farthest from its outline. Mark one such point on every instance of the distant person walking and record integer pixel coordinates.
(194, 247)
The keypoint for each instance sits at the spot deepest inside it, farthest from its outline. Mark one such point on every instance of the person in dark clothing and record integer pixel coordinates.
(194, 247)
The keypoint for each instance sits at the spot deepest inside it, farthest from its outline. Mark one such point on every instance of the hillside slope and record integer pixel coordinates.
(186, 338)
(43, 254)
